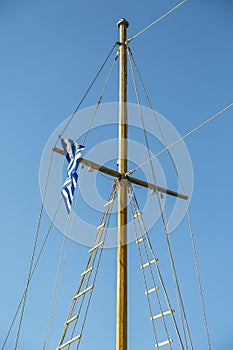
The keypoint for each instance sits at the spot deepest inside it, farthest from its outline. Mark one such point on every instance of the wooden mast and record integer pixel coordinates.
(121, 312)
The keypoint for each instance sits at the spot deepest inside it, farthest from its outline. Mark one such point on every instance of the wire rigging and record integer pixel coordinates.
(86, 93)
(156, 21)
(100, 98)
(198, 275)
(175, 276)
(142, 119)
(86, 283)
(142, 241)
(182, 138)
(154, 114)
(187, 210)
(162, 210)
(33, 251)
(60, 267)
(33, 270)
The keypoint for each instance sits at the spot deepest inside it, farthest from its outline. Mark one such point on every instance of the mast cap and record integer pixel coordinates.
(123, 21)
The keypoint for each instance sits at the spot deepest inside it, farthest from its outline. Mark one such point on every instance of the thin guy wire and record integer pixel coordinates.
(84, 281)
(33, 270)
(108, 216)
(162, 210)
(97, 269)
(159, 275)
(158, 270)
(155, 116)
(198, 275)
(100, 98)
(60, 270)
(153, 280)
(107, 219)
(182, 138)
(132, 62)
(141, 229)
(34, 250)
(189, 218)
(91, 262)
(73, 305)
(154, 179)
(144, 278)
(142, 119)
(86, 93)
(56, 289)
(156, 21)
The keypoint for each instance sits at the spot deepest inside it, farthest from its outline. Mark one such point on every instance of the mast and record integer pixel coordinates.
(121, 312)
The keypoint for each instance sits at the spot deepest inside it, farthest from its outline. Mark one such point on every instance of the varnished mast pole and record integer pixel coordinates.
(121, 317)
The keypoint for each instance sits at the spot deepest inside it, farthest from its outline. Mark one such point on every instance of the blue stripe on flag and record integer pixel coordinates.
(73, 155)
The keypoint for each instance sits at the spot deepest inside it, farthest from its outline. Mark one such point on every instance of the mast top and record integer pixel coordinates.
(123, 21)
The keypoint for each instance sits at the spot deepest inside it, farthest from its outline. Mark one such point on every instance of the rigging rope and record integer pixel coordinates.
(187, 209)
(56, 287)
(100, 98)
(182, 138)
(162, 213)
(113, 194)
(33, 270)
(144, 233)
(58, 278)
(198, 275)
(33, 251)
(60, 268)
(90, 266)
(85, 94)
(156, 21)
(142, 119)
(145, 282)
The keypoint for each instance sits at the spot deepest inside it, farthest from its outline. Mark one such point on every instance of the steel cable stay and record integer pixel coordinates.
(198, 274)
(33, 270)
(86, 93)
(84, 141)
(174, 272)
(140, 238)
(161, 280)
(145, 250)
(152, 168)
(155, 116)
(214, 116)
(156, 21)
(56, 290)
(31, 266)
(133, 63)
(61, 265)
(102, 233)
(142, 120)
(100, 98)
(78, 306)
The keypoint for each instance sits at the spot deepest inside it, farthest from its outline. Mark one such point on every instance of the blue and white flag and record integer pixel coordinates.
(73, 155)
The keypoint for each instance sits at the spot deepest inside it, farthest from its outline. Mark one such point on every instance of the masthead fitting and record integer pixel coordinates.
(123, 21)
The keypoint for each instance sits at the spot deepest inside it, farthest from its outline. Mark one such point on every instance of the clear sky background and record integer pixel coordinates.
(50, 51)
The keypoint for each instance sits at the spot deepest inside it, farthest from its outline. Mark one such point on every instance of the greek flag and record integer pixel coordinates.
(73, 155)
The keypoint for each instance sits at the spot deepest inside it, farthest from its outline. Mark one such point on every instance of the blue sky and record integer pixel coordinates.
(50, 51)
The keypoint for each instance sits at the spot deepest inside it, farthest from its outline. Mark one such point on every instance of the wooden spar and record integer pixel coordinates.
(156, 188)
(118, 175)
(122, 278)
